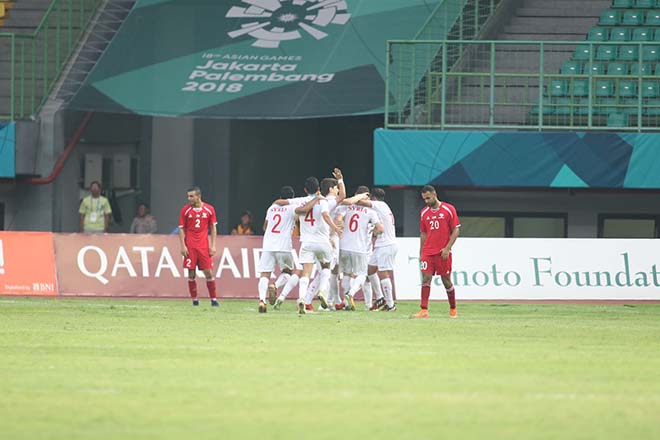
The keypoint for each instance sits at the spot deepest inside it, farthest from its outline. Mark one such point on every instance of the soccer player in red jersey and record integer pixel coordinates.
(439, 228)
(195, 221)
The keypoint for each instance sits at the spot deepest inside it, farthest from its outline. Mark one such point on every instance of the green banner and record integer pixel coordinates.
(251, 58)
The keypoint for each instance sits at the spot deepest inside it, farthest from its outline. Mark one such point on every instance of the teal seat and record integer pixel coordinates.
(652, 107)
(627, 89)
(604, 88)
(594, 69)
(582, 52)
(622, 4)
(564, 107)
(605, 106)
(630, 106)
(651, 89)
(558, 87)
(644, 4)
(656, 34)
(580, 87)
(571, 68)
(645, 69)
(628, 53)
(632, 18)
(610, 18)
(657, 68)
(642, 34)
(606, 52)
(653, 18)
(618, 120)
(651, 53)
(583, 107)
(617, 69)
(597, 33)
(546, 107)
(620, 34)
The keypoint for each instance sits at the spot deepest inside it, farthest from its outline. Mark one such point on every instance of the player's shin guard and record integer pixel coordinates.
(263, 288)
(282, 280)
(192, 288)
(387, 291)
(368, 294)
(210, 285)
(303, 284)
(324, 282)
(346, 284)
(375, 284)
(451, 297)
(426, 293)
(333, 290)
(356, 284)
(288, 287)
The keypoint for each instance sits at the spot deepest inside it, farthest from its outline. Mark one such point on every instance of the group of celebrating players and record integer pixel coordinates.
(347, 241)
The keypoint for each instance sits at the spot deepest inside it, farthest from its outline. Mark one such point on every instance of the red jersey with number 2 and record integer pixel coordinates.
(438, 225)
(196, 224)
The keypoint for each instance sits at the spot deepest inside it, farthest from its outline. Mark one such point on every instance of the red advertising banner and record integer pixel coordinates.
(150, 265)
(27, 264)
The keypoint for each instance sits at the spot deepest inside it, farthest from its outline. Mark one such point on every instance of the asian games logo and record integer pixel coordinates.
(270, 22)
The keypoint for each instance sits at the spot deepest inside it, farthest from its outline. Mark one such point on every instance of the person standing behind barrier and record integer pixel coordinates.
(94, 211)
(439, 229)
(245, 225)
(196, 220)
(143, 222)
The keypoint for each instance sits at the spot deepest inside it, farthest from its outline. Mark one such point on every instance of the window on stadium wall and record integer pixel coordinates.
(521, 225)
(628, 226)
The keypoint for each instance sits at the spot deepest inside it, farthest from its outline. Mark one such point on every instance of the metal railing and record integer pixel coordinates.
(524, 85)
(35, 61)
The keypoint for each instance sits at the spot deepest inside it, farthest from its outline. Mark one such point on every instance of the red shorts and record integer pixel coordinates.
(435, 265)
(198, 258)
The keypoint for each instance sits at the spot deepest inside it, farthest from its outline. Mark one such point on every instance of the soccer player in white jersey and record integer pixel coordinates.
(354, 245)
(381, 263)
(315, 227)
(277, 246)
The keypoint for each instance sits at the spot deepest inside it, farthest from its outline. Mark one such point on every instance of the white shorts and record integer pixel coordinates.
(313, 252)
(268, 260)
(384, 257)
(353, 263)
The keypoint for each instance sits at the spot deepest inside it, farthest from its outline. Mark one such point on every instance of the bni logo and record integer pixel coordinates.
(270, 22)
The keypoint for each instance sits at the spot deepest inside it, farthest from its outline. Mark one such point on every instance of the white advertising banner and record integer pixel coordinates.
(539, 269)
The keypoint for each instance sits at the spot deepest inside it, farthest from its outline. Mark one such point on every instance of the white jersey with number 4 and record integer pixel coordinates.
(388, 236)
(281, 220)
(358, 222)
(313, 228)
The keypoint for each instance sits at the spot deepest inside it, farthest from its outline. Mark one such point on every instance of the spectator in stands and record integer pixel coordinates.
(143, 222)
(245, 226)
(94, 211)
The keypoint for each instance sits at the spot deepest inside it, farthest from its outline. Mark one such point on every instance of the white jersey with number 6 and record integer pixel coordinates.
(281, 219)
(357, 223)
(313, 228)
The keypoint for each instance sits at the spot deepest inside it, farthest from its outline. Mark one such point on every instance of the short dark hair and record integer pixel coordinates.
(196, 189)
(311, 185)
(143, 204)
(96, 182)
(428, 188)
(326, 184)
(287, 192)
(361, 189)
(378, 194)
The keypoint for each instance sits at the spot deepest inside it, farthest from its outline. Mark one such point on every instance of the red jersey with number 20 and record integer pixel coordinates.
(438, 225)
(196, 224)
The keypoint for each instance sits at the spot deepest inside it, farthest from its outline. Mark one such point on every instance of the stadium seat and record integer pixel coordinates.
(582, 108)
(582, 52)
(651, 53)
(580, 87)
(628, 53)
(571, 68)
(642, 34)
(604, 88)
(564, 107)
(610, 18)
(622, 4)
(617, 120)
(645, 70)
(632, 18)
(657, 67)
(650, 89)
(605, 106)
(558, 87)
(594, 69)
(627, 88)
(656, 35)
(547, 107)
(620, 34)
(653, 18)
(652, 107)
(644, 4)
(597, 33)
(630, 106)
(617, 69)
(606, 52)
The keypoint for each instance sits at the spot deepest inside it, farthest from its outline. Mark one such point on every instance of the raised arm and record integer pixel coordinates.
(304, 209)
(355, 199)
(336, 173)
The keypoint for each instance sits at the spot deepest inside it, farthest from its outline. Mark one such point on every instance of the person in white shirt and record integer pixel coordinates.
(360, 222)
(277, 247)
(381, 263)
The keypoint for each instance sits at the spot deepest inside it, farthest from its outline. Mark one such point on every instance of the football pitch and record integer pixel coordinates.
(147, 369)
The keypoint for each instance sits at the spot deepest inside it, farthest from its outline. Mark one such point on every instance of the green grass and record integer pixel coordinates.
(116, 369)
